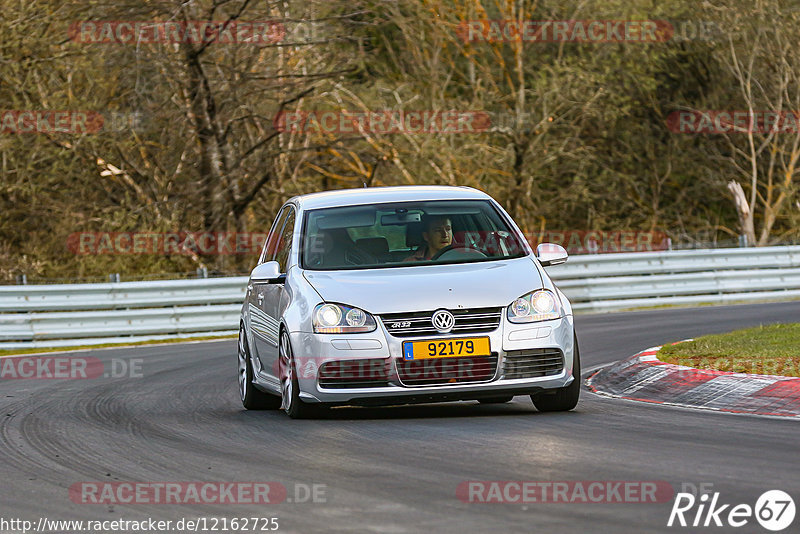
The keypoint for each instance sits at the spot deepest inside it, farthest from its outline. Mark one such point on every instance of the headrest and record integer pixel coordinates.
(414, 235)
(377, 246)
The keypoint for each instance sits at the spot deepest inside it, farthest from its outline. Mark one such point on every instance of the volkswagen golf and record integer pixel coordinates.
(399, 295)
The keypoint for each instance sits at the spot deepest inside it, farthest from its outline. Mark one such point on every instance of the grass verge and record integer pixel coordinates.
(14, 352)
(767, 350)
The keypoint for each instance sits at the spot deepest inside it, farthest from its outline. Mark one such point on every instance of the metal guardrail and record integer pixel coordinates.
(91, 314)
(121, 295)
(96, 314)
(683, 277)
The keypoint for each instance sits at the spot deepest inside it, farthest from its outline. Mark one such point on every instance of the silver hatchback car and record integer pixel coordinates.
(399, 295)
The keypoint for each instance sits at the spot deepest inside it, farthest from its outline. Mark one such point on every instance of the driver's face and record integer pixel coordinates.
(439, 235)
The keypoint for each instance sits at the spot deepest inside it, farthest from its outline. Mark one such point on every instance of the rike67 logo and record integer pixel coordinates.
(774, 510)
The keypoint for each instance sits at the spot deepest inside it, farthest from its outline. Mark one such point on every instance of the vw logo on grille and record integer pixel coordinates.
(443, 321)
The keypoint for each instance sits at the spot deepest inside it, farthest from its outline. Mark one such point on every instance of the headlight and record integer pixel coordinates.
(541, 305)
(340, 319)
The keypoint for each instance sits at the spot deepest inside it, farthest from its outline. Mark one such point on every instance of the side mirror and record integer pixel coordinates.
(267, 273)
(551, 254)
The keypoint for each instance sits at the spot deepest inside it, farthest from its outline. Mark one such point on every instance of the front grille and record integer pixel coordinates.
(440, 371)
(533, 363)
(368, 373)
(419, 323)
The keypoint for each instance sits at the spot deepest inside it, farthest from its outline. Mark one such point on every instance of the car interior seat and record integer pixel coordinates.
(376, 246)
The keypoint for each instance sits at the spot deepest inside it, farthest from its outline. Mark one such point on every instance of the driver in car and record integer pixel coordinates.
(437, 234)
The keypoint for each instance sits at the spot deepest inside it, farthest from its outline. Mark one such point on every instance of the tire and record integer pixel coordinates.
(495, 400)
(564, 399)
(290, 389)
(252, 398)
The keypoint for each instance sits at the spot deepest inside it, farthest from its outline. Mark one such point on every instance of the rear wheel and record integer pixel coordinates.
(252, 398)
(564, 399)
(291, 403)
(495, 400)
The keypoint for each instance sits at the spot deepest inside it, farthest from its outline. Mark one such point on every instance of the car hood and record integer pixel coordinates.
(429, 287)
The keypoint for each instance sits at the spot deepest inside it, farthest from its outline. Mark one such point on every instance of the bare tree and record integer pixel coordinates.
(764, 61)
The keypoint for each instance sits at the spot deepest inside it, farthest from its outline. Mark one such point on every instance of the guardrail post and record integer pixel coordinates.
(22, 280)
(202, 272)
(113, 278)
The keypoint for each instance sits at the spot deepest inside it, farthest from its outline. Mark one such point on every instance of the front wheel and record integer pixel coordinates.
(252, 398)
(564, 399)
(290, 388)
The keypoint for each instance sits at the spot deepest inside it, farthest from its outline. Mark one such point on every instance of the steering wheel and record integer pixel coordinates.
(457, 252)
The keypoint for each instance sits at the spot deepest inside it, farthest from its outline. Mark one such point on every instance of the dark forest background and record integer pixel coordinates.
(579, 137)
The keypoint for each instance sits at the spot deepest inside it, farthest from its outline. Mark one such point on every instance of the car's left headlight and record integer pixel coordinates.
(330, 318)
(540, 305)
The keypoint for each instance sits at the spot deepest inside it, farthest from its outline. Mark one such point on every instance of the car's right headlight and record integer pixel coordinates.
(330, 318)
(540, 305)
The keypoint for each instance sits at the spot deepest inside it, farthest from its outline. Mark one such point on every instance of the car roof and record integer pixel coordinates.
(377, 195)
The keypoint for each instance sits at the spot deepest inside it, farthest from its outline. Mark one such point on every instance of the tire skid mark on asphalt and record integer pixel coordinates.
(66, 435)
(53, 444)
(13, 451)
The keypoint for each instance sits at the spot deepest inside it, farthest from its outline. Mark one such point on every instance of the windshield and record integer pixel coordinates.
(406, 234)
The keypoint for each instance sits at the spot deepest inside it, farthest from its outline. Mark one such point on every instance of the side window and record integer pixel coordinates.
(271, 245)
(285, 243)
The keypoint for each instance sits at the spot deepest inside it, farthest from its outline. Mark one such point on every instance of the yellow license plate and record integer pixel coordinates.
(446, 348)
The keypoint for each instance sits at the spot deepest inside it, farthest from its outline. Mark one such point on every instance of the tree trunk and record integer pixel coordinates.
(743, 211)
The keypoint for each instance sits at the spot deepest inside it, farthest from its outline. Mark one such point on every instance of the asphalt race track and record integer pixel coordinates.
(392, 469)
